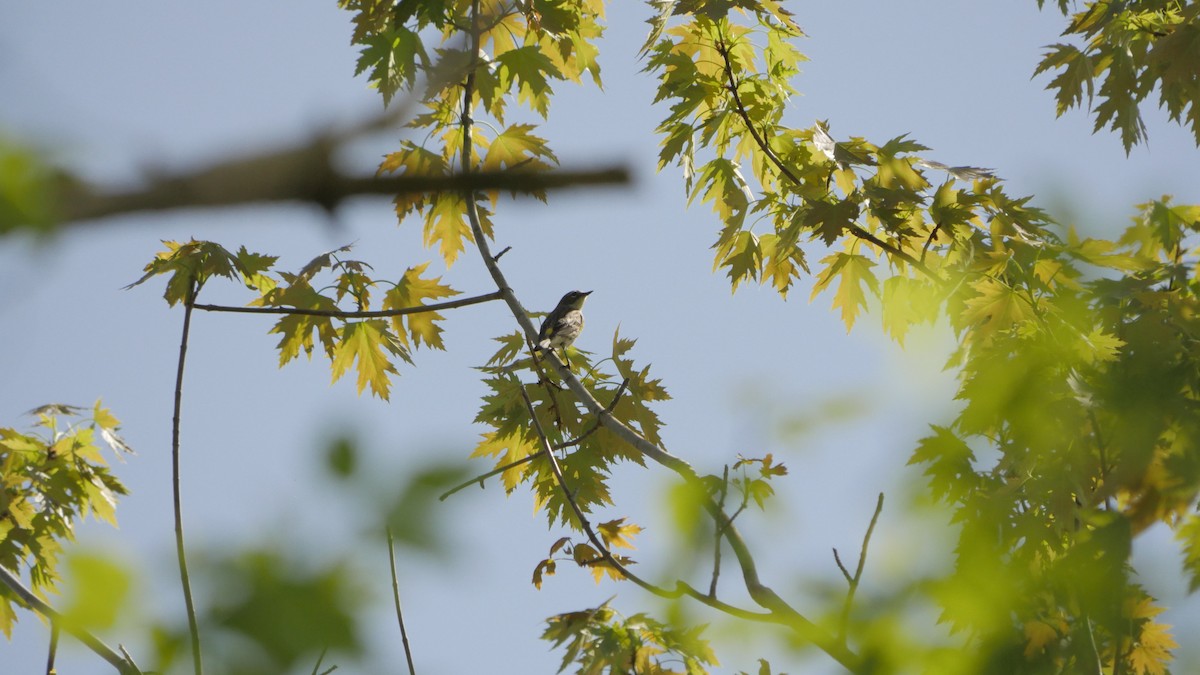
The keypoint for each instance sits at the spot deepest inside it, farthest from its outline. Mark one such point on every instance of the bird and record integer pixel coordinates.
(564, 323)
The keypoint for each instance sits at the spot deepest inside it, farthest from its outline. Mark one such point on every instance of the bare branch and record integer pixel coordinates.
(396, 598)
(862, 560)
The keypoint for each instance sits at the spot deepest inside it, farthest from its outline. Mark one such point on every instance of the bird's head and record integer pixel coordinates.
(574, 299)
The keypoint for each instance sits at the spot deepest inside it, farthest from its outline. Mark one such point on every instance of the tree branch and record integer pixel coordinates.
(437, 306)
(764, 596)
(853, 229)
(28, 598)
(302, 175)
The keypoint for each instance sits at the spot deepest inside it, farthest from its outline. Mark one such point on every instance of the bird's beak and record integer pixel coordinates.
(586, 293)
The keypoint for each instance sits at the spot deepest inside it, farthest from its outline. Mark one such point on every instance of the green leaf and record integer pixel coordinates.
(856, 278)
(368, 343)
(413, 291)
(1073, 81)
(530, 70)
(996, 307)
(951, 475)
(446, 225)
(742, 257)
(392, 59)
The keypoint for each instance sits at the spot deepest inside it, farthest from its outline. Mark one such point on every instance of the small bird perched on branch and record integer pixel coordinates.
(564, 324)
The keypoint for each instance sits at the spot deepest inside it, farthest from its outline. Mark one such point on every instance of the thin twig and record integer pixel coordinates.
(345, 314)
(712, 586)
(937, 227)
(396, 597)
(177, 502)
(29, 599)
(52, 652)
(862, 561)
(482, 477)
(496, 257)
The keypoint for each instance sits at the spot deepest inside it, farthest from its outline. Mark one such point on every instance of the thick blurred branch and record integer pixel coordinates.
(306, 174)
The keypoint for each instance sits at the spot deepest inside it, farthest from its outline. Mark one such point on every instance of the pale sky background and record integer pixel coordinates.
(115, 89)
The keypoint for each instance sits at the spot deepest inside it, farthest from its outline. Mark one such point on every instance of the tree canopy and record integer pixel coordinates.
(1075, 362)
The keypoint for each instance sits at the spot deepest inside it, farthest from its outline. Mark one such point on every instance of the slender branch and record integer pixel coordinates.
(712, 586)
(341, 314)
(862, 561)
(482, 477)
(856, 230)
(29, 599)
(778, 610)
(52, 651)
(177, 502)
(586, 526)
(396, 597)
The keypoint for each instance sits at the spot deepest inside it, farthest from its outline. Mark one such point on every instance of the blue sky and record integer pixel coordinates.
(116, 90)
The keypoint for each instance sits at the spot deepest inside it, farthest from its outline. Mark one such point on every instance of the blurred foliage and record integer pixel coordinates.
(26, 190)
(50, 478)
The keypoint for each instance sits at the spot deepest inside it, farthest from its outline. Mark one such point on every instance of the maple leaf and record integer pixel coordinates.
(391, 57)
(1151, 652)
(190, 263)
(617, 533)
(530, 69)
(997, 307)
(446, 224)
(949, 469)
(368, 343)
(743, 257)
(507, 449)
(1075, 76)
(855, 273)
(412, 291)
(413, 160)
(830, 220)
(516, 147)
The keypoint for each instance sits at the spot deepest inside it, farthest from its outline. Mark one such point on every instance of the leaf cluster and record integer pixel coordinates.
(50, 478)
(1125, 51)
(588, 450)
(600, 640)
